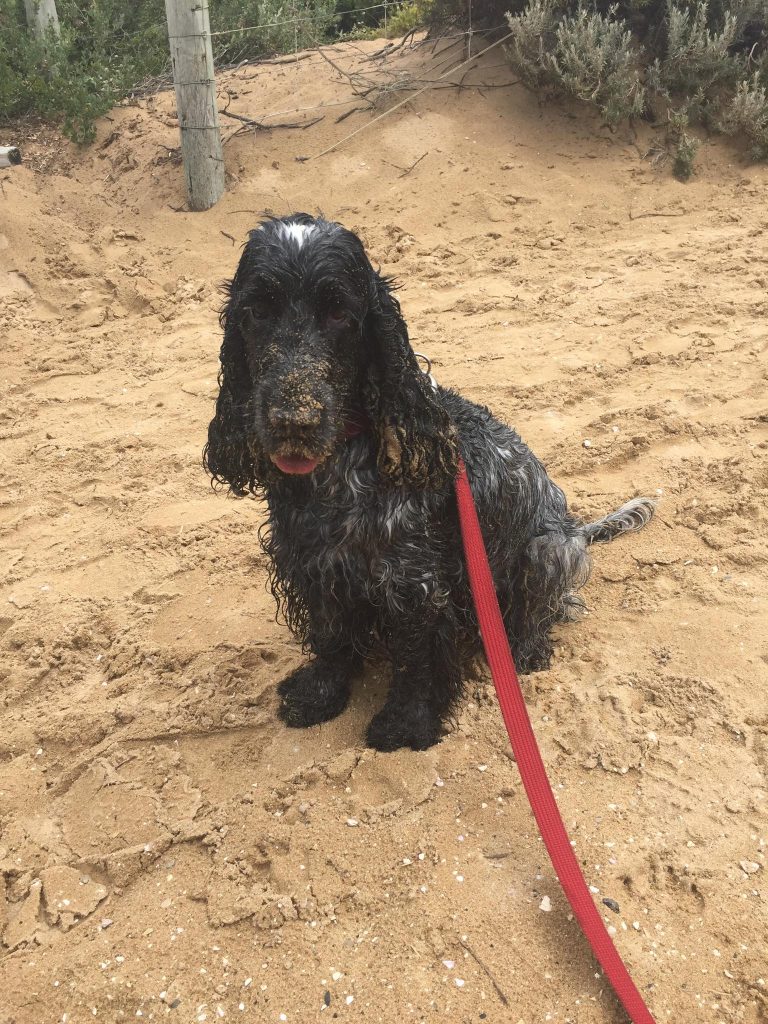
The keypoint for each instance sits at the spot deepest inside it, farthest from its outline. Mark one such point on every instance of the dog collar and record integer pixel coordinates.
(356, 424)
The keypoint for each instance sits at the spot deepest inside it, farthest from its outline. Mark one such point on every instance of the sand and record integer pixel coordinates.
(168, 850)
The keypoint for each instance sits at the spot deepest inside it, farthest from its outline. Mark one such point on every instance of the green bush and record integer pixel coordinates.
(411, 16)
(747, 114)
(105, 49)
(586, 54)
(110, 47)
(281, 26)
(688, 61)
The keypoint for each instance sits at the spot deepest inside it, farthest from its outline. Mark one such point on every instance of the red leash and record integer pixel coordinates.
(529, 760)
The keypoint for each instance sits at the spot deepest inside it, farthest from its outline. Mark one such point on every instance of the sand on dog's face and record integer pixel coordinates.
(144, 779)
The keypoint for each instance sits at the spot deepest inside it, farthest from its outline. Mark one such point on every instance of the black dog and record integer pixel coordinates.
(324, 410)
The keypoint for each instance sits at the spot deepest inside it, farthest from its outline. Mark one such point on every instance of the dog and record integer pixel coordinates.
(324, 411)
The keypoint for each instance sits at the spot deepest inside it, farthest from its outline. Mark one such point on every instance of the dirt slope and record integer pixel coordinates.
(167, 849)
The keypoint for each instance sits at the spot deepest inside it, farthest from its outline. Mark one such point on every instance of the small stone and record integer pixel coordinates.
(458, 982)
(449, 964)
(586, 443)
(106, 922)
(546, 905)
(352, 822)
(327, 998)
(611, 904)
(749, 867)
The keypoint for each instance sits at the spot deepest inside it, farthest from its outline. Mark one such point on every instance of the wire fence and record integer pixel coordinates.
(373, 76)
(273, 39)
(385, 7)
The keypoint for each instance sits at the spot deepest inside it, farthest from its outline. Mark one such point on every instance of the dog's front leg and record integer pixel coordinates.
(319, 691)
(426, 681)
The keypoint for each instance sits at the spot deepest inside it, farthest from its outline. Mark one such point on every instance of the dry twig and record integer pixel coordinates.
(499, 991)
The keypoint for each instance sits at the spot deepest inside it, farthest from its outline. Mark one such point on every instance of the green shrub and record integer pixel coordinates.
(285, 25)
(109, 47)
(683, 145)
(597, 61)
(747, 113)
(105, 49)
(687, 60)
(587, 54)
(697, 57)
(410, 16)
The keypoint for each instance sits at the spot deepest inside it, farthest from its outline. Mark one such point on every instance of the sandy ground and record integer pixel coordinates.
(167, 849)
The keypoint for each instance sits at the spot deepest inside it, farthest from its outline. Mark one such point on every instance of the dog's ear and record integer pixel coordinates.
(416, 440)
(231, 455)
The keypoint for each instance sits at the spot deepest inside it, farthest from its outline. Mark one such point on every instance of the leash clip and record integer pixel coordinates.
(428, 372)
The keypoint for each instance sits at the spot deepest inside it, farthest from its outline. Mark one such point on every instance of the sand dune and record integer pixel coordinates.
(167, 849)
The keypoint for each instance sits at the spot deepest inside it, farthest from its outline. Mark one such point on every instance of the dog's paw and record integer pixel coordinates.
(312, 694)
(532, 658)
(411, 725)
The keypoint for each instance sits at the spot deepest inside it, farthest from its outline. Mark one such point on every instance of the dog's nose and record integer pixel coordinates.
(305, 418)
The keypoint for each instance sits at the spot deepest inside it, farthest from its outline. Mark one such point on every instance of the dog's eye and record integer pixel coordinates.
(337, 316)
(258, 309)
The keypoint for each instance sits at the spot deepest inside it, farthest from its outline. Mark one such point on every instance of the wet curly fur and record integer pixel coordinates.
(324, 411)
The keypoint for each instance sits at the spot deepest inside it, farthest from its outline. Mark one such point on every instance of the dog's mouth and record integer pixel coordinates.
(296, 465)
(299, 458)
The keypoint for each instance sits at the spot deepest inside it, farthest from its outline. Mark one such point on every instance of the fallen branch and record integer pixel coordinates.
(402, 103)
(252, 123)
(362, 87)
(499, 992)
(408, 170)
(349, 113)
(657, 213)
(390, 48)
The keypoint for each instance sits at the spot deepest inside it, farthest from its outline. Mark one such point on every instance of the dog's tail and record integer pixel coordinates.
(632, 516)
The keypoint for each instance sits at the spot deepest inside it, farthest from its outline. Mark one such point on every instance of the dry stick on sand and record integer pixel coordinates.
(415, 163)
(251, 122)
(499, 992)
(657, 213)
(408, 99)
(362, 86)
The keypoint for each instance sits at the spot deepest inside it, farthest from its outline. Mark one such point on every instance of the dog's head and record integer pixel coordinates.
(314, 339)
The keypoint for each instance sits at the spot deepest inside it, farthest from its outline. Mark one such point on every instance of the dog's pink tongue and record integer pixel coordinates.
(288, 464)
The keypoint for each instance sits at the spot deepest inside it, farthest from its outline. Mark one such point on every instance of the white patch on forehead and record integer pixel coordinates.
(297, 233)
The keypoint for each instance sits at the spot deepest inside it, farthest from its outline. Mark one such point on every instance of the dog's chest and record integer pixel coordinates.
(354, 516)
(361, 539)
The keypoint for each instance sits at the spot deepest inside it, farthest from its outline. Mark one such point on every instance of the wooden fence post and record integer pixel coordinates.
(189, 35)
(42, 16)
